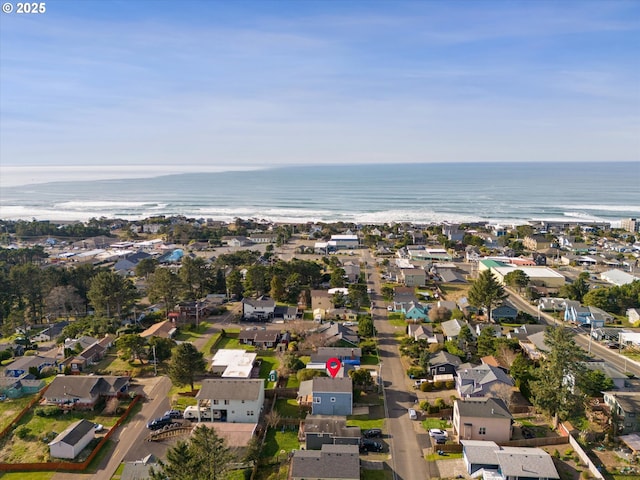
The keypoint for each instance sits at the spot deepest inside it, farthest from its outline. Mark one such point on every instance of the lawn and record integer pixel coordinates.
(382, 474)
(10, 408)
(365, 422)
(231, 342)
(27, 475)
(210, 343)
(269, 362)
(182, 401)
(369, 360)
(432, 457)
(292, 381)
(288, 407)
(112, 364)
(191, 334)
(429, 423)
(278, 440)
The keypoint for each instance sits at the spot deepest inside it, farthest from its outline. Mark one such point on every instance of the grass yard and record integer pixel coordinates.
(269, 362)
(210, 343)
(382, 474)
(432, 457)
(365, 422)
(237, 474)
(10, 408)
(369, 360)
(114, 365)
(278, 440)
(288, 407)
(271, 472)
(27, 475)
(429, 423)
(398, 322)
(191, 334)
(230, 341)
(182, 401)
(292, 381)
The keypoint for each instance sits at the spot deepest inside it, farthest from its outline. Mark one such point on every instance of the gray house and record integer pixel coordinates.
(327, 396)
(626, 407)
(339, 462)
(444, 363)
(318, 430)
(504, 312)
(478, 381)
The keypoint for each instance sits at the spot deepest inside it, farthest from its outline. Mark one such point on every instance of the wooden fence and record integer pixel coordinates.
(24, 411)
(71, 466)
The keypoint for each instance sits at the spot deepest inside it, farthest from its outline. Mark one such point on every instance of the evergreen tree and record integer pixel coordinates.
(186, 363)
(486, 292)
(554, 389)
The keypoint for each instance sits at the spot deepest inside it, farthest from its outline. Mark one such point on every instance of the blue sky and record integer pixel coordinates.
(265, 83)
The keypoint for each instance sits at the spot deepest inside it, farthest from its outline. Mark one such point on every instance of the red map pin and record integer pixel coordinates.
(333, 365)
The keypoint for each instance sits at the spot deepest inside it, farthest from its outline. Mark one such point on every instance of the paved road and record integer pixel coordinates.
(581, 338)
(406, 438)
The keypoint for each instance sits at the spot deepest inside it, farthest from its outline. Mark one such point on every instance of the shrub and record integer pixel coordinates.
(440, 403)
(415, 372)
(22, 432)
(424, 405)
(449, 384)
(433, 409)
(426, 387)
(437, 385)
(5, 355)
(50, 411)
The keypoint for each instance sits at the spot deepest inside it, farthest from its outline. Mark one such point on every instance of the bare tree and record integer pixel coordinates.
(505, 355)
(273, 418)
(63, 300)
(502, 391)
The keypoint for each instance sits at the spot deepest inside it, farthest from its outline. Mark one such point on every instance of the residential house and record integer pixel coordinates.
(127, 264)
(536, 242)
(582, 315)
(259, 337)
(13, 387)
(352, 271)
(504, 313)
(346, 355)
(138, 469)
(507, 463)
(79, 344)
(72, 440)
(485, 418)
(50, 333)
(82, 392)
(618, 378)
(258, 309)
(164, 329)
(93, 354)
(332, 462)
(285, 312)
(534, 345)
(416, 312)
(424, 332)
(232, 400)
(478, 381)
(448, 304)
(497, 331)
(21, 365)
(263, 237)
(233, 363)
(443, 363)
(413, 277)
(235, 241)
(625, 408)
(465, 307)
(338, 335)
(327, 396)
(15, 349)
(451, 328)
(618, 277)
(321, 302)
(318, 430)
(451, 276)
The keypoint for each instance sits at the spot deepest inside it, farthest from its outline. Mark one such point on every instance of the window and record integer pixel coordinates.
(242, 401)
(249, 413)
(482, 431)
(215, 402)
(441, 369)
(317, 400)
(226, 402)
(333, 399)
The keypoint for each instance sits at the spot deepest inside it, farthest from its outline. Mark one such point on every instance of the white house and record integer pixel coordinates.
(236, 400)
(71, 441)
(262, 308)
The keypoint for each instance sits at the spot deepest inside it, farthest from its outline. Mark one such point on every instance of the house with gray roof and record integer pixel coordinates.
(13, 387)
(318, 430)
(50, 333)
(232, 400)
(84, 391)
(332, 462)
(259, 337)
(72, 440)
(21, 366)
(484, 418)
(451, 328)
(478, 381)
(424, 332)
(338, 335)
(138, 469)
(507, 463)
(444, 363)
(626, 408)
(258, 309)
(505, 312)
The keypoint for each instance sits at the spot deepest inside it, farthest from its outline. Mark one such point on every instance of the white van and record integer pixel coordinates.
(413, 415)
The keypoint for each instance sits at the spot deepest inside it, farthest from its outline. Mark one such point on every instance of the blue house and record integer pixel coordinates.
(13, 387)
(581, 315)
(417, 312)
(327, 396)
(506, 311)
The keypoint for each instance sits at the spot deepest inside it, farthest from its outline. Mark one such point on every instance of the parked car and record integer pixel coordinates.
(437, 432)
(173, 413)
(372, 433)
(367, 445)
(413, 415)
(98, 427)
(159, 423)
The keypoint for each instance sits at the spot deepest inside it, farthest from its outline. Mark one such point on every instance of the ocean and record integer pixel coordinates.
(504, 193)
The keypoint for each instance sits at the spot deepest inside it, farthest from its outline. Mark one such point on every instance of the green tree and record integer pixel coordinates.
(146, 267)
(204, 456)
(337, 278)
(163, 347)
(26, 280)
(594, 382)
(132, 345)
(186, 363)
(361, 377)
(277, 288)
(110, 293)
(486, 292)
(164, 286)
(307, 374)
(256, 279)
(365, 327)
(575, 290)
(234, 284)
(486, 342)
(551, 390)
(195, 277)
(517, 279)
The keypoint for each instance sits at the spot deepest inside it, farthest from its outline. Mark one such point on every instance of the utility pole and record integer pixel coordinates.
(155, 362)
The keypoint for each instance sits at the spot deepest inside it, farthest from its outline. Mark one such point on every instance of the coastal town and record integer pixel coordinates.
(172, 346)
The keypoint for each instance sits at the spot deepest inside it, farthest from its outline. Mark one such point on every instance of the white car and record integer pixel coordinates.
(437, 432)
(390, 308)
(98, 427)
